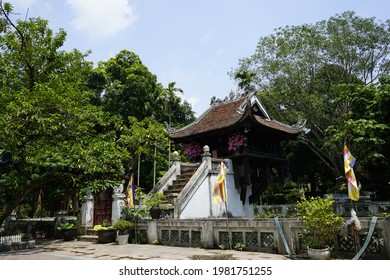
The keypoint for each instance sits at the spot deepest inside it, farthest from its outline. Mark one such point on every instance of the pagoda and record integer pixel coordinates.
(260, 161)
(239, 131)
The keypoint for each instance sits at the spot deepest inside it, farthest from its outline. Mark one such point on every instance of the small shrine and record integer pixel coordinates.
(240, 128)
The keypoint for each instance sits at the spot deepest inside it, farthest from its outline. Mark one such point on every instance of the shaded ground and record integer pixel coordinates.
(59, 250)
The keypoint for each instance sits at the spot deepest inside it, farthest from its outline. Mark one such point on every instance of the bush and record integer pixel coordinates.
(155, 200)
(104, 226)
(123, 225)
(321, 223)
(281, 193)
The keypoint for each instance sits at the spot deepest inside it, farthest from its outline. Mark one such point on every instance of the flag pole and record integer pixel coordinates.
(227, 218)
(220, 195)
(228, 228)
(353, 190)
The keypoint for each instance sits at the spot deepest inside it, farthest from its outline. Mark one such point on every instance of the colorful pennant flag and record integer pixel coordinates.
(219, 186)
(130, 191)
(39, 203)
(349, 162)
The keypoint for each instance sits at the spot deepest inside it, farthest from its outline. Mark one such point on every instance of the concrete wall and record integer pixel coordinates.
(196, 201)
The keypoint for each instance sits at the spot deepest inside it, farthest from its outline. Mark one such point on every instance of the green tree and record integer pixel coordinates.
(146, 140)
(299, 72)
(53, 135)
(129, 88)
(172, 98)
(366, 124)
(125, 87)
(180, 113)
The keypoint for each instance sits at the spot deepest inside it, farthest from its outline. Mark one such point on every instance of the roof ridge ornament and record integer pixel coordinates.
(169, 128)
(300, 123)
(231, 97)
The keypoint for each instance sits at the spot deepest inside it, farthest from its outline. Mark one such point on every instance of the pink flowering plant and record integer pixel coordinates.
(193, 150)
(237, 141)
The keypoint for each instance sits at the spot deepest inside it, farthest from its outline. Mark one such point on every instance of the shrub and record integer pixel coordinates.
(321, 223)
(123, 225)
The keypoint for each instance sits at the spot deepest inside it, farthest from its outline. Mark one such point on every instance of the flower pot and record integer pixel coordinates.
(155, 212)
(30, 244)
(319, 254)
(106, 236)
(69, 234)
(123, 239)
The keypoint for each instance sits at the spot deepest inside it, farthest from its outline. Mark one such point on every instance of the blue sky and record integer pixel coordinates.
(193, 43)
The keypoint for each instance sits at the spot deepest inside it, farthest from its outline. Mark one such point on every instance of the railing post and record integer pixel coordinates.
(176, 162)
(206, 156)
(87, 209)
(118, 203)
(208, 235)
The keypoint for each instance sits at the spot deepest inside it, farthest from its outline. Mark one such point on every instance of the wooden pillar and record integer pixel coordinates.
(247, 171)
(267, 174)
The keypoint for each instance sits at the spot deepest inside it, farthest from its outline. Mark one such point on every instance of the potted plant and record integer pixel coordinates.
(68, 231)
(237, 141)
(105, 232)
(123, 226)
(321, 225)
(154, 203)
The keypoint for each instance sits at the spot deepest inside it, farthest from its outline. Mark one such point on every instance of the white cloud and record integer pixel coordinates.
(101, 18)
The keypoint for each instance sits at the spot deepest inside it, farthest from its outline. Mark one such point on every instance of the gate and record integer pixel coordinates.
(103, 207)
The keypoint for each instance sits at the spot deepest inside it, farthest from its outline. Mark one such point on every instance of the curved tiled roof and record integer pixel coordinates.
(226, 114)
(278, 125)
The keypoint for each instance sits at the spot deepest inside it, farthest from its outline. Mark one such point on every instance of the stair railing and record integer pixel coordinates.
(192, 186)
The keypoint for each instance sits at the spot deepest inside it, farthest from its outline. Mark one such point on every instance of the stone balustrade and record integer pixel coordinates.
(256, 235)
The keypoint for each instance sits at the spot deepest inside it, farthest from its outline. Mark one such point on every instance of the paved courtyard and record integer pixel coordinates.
(85, 250)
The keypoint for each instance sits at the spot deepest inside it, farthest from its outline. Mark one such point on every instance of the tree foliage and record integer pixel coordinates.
(125, 87)
(327, 74)
(54, 135)
(67, 125)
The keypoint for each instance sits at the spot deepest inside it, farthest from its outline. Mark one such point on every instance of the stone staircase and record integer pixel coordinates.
(90, 235)
(173, 191)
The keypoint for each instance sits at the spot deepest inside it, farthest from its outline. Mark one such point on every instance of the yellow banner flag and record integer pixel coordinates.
(219, 186)
(130, 191)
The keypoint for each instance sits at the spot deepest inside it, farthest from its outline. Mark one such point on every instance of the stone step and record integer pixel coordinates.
(90, 238)
(171, 196)
(173, 191)
(188, 172)
(180, 179)
(177, 185)
(91, 232)
(188, 168)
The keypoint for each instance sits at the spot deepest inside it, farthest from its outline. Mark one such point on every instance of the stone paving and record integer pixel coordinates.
(85, 250)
